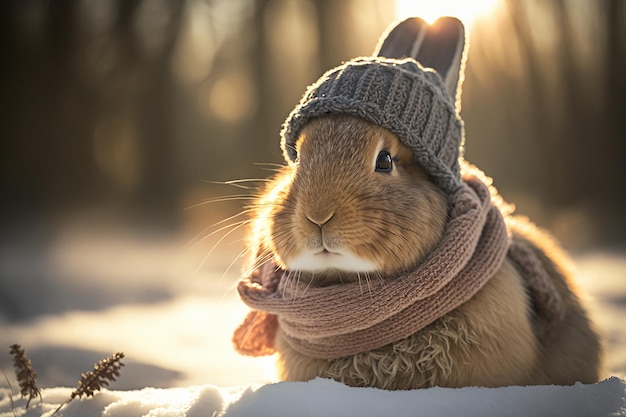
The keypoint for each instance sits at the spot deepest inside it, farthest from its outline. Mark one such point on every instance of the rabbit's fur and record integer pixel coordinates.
(494, 339)
(333, 199)
(392, 221)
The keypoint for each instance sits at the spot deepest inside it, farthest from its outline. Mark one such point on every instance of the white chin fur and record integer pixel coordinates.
(321, 261)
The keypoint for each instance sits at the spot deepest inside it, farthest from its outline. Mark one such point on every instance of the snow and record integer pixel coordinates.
(322, 397)
(88, 294)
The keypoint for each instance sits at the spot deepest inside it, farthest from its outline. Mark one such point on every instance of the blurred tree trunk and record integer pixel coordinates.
(52, 109)
(262, 131)
(161, 189)
(542, 125)
(330, 28)
(613, 186)
(578, 144)
(47, 162)
(577, 114)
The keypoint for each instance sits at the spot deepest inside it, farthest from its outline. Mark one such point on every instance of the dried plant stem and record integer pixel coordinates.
(104, 371)
(6, 378)
(26, 375)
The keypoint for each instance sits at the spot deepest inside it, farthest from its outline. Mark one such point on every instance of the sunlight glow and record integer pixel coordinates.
(429, 10)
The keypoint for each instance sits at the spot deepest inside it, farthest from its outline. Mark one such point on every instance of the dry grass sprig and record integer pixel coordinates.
(105, 371)
(26, 375)
(6, 378)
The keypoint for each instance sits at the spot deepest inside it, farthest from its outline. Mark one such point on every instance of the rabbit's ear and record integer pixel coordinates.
(440, 46)
(404, 40)
(443, 49)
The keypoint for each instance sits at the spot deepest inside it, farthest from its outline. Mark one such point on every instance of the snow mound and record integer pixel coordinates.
(322, 397)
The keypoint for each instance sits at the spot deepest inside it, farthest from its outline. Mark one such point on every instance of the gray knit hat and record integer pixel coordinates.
(398, 94)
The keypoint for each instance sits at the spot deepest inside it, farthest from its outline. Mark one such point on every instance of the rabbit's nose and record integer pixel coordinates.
(319, 218)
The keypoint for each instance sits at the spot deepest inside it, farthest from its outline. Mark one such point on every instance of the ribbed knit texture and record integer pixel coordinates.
(398, 94)
(342, 320)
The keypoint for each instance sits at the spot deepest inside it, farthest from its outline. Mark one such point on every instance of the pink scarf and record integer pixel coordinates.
(344, 319)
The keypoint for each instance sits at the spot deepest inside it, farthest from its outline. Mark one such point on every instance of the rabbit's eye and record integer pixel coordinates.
(384, 163)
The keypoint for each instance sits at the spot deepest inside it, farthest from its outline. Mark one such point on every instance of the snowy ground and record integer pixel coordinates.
(328, 398)
(89, 293)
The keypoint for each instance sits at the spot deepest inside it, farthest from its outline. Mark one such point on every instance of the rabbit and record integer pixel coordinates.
(357, 206)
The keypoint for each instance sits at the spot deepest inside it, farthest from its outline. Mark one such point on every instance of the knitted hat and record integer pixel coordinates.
(398, 94)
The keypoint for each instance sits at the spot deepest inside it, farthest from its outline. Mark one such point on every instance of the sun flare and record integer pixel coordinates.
(430, 10)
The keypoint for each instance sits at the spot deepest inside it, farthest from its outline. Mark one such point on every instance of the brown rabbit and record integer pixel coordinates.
(385, 260)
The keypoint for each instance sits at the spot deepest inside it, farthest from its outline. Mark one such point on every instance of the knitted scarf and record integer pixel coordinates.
(345, 319)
